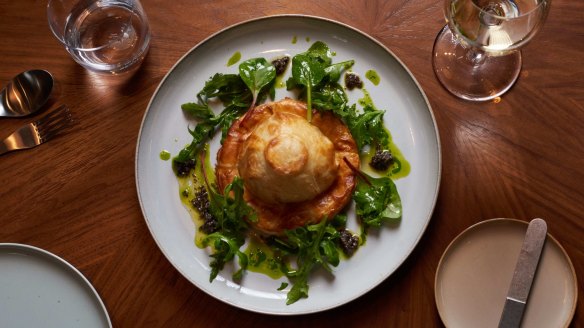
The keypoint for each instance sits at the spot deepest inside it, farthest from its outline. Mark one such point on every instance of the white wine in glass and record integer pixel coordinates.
(476, 54)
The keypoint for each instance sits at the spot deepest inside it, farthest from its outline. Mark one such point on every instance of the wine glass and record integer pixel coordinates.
(476, 56)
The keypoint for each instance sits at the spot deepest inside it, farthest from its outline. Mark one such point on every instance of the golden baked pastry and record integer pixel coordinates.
(285, 159)
(293, 170)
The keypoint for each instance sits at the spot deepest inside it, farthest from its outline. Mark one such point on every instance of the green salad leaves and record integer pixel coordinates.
(377, 201)
(230, 210)
(256, 73)
(313, 246)
(237, 93)
(316, 76)
(302, 250)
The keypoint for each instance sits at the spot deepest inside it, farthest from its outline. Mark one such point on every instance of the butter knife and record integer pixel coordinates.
(525, 269)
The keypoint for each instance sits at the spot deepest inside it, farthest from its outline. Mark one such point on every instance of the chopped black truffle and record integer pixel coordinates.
(352, 81)
(349, 242)
(183, 168)
(382, 160)
(280, 64)
(201, 203)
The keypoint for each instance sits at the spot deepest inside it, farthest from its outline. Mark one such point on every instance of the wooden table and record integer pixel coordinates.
(522, 157)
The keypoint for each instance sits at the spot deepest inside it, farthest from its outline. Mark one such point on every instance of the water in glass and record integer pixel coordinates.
(107, 35)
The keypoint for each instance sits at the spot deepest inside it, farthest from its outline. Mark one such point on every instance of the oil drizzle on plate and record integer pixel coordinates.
(164, 155)
(234, 58)
(372, 76)
(189, 186)
(400, 167)
(262, 258)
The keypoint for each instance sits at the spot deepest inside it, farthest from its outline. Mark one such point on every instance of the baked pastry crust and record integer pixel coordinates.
(285, 159)
(289, 192)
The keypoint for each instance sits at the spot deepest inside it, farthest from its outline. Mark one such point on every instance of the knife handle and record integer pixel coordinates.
(512, 313)
(525, 270)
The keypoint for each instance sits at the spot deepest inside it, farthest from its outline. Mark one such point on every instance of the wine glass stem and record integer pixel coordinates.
(470, 72)
(475, 56)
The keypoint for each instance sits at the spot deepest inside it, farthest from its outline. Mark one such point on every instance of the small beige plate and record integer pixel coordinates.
(475, 271)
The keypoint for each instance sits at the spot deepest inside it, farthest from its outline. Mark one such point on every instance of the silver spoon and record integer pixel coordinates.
(26, 93)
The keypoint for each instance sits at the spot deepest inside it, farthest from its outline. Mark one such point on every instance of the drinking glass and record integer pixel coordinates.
(105, 36)
(476, 56)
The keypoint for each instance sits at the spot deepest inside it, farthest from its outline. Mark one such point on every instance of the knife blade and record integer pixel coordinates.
(523, 274)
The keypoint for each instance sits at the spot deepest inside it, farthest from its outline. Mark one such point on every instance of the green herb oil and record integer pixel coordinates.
(294, 39)
(400, 167)
(280, 83)
(261, 258)
(189, 185)
(372, 76)
(366, 100)
(234, 59)
(164, 155)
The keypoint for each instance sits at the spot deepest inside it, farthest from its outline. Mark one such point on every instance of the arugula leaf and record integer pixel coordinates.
(334, 71)
(202, 132)
(238, 93)
(256, 73)
(331, 97)
(377, 201)
(313, 245)
(235, 96)
(340, 221)
(225, 248)
(313, 73)
(197, 110)
(363, 127)
(185, 160)
(226, 87)
(367, 127)
(230, 210)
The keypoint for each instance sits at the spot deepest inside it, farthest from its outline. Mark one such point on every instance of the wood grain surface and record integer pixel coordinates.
(522, 157)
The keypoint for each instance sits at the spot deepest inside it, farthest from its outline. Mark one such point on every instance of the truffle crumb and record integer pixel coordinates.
(349, 242)
(382, 160)
(280, 64)
(183, 168)
(352, 81)
(201, 203)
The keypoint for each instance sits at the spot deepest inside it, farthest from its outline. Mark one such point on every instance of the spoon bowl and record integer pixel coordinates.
(26, 93)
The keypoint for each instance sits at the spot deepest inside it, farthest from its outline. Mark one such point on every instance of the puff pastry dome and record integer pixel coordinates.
(286, 159)
(294, 171)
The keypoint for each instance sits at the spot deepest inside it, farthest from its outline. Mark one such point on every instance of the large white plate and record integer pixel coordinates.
(408, 117)
(39, 289)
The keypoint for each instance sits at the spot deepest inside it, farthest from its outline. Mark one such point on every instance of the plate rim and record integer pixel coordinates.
(37, 252)
(420, 91)
(477, 225)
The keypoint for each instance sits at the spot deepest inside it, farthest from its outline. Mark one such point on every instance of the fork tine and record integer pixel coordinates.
(53, 123)
(51, 115)
(38, 132)
(56, 121)
(48, 132)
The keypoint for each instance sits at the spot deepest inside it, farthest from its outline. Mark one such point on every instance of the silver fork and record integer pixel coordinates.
(38, 132)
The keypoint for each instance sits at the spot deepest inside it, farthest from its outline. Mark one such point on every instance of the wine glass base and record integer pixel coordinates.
(471, 74)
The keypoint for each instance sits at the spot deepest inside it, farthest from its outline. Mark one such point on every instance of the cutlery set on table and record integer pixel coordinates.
(26, 95)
